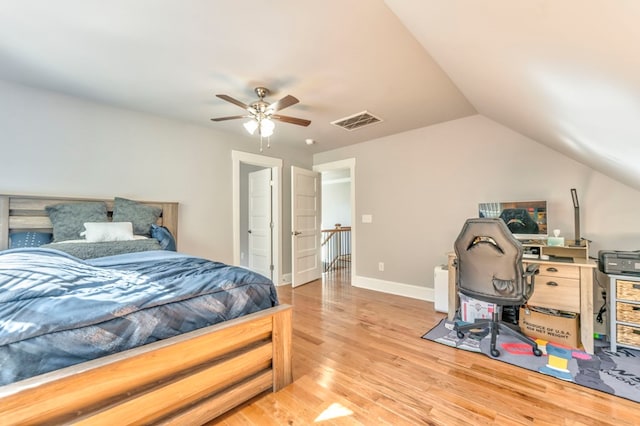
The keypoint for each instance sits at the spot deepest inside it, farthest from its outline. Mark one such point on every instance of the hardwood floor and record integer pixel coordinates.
(359, 360)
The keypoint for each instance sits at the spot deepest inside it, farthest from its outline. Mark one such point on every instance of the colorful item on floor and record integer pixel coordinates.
(616, 373)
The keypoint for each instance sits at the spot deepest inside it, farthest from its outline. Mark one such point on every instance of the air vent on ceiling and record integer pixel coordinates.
(357, 121)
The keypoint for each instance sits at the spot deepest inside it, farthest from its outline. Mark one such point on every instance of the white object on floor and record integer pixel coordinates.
(441, 288)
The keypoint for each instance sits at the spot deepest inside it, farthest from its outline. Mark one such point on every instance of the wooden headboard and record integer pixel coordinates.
(27, 213)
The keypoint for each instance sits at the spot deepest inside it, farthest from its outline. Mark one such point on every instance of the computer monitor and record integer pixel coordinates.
(527, 220)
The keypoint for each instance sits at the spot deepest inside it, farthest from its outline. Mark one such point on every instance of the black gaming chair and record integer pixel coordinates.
(489, 268)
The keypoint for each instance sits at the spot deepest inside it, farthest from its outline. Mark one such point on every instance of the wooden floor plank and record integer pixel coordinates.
(358, 354)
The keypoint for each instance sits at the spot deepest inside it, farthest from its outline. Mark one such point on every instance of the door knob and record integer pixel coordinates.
(296, 233)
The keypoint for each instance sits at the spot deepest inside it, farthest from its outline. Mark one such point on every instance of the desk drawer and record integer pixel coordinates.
(555, 270)
(556, 293)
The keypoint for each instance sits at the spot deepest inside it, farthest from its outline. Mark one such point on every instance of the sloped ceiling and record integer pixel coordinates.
(171, 58)
(564, 73)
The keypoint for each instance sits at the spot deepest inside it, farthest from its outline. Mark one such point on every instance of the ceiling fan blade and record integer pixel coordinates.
(292, 120)
(287, 101)
(233, 117)
(234, 101)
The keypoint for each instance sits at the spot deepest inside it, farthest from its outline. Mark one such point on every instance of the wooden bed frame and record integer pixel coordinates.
(187, 379)
(27, 213)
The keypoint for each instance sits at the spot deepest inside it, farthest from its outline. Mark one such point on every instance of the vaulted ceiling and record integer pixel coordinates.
(564, 73)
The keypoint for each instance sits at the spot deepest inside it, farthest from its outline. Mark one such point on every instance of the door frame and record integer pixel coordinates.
(275, 164)
(348, 163)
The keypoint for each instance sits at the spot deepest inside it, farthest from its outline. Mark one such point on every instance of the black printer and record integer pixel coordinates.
(619, 262)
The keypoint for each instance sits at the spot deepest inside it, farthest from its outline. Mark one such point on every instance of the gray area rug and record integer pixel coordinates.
(616, 373)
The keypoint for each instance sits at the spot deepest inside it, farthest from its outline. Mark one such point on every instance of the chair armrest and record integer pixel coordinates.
(529, 278)
(532, 269)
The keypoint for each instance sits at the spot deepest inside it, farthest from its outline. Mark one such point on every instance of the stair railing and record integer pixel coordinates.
(336, 248)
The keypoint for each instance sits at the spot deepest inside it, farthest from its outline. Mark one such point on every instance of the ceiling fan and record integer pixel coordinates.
(261, 113)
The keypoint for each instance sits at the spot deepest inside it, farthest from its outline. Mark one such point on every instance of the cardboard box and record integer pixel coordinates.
(562, 328)
(472, 309)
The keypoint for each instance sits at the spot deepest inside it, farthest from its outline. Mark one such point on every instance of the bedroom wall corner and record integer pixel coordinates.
(65, 146)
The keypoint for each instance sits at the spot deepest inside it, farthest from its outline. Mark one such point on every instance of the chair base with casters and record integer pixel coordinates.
(497, 326)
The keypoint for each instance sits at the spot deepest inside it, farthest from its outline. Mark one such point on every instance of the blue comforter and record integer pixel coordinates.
(57, 310)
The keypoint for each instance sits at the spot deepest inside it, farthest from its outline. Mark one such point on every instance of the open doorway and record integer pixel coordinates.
(264, 252)
(338, 215)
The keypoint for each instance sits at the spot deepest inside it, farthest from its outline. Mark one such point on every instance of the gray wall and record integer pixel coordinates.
(421, 185)
(59, 145)
(336, 204)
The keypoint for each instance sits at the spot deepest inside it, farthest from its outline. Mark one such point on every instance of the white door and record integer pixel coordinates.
(260, 247)
(305, 232)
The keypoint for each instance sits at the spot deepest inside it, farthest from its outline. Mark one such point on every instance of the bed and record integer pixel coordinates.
(187, 379)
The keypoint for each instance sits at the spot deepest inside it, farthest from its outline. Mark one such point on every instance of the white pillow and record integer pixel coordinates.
(107, 231)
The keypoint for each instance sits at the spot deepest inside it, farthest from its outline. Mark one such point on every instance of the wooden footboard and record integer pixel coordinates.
(188, 379)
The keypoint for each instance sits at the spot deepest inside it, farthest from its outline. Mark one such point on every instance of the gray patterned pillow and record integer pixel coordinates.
(140, 215)
(29, 239)
(68, 219)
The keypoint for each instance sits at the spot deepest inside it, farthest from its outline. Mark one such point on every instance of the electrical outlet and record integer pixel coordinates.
(380, 266)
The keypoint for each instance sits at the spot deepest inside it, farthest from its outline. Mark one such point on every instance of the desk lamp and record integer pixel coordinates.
(578, 242)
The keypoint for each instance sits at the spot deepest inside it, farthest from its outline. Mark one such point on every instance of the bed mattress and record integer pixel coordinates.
(57, 310)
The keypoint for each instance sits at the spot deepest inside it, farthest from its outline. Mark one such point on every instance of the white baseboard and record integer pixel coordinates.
(285, 280)
(399, 289)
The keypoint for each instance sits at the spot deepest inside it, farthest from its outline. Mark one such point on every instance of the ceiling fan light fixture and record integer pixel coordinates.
(266, 127)
(251, 126)
(262, 114)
